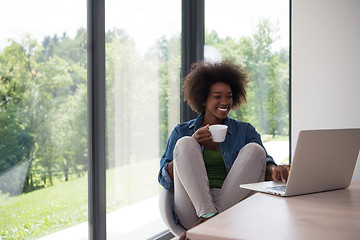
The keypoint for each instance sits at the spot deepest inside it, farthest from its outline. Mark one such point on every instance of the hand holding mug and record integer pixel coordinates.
(202, 135)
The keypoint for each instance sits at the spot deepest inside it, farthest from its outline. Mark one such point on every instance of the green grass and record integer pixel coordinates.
(39, 213)
(268, 138)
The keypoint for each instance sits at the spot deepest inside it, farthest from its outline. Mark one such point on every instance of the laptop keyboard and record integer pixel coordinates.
(279, 188)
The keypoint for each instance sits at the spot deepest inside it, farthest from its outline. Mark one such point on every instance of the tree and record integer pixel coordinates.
(267, 94)
(16, 140)
(36, 84)
(12, 135)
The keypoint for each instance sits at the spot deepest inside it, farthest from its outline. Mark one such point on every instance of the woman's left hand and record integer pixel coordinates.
(280, 172)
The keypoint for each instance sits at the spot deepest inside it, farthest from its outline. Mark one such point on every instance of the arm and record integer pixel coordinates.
(165, 175)
(170, 170)
(253, 136)
(274, 172)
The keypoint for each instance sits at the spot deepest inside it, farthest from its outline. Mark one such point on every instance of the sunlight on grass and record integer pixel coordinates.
(39, 213)
(269, 138)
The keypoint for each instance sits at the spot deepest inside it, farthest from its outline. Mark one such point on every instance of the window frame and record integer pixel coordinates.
(96, 119)
(192, 45)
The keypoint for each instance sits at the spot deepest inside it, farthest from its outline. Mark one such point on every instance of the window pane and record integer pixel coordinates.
(142, 81)
(43, 119)
(255, 33)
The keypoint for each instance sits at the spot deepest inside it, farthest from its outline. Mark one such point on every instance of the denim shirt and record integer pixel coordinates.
(238, 135)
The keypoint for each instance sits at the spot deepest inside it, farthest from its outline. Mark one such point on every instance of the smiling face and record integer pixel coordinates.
(218, 104)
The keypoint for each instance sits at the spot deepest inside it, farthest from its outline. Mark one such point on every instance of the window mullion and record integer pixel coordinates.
(192, 44)
(96, 119)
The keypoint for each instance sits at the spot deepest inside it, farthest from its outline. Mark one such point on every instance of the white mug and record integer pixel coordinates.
(218, 132)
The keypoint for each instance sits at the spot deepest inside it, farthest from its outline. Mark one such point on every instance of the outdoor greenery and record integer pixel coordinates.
(42, 212)
(43, 108)
(43, 116)
(39, 213)
(267, 107)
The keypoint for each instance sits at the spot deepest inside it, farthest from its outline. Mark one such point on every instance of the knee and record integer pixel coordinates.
(185, 146)
(185, 142)
(256, 152)
(255, 147)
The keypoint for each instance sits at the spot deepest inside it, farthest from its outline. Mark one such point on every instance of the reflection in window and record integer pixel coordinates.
(255, 34)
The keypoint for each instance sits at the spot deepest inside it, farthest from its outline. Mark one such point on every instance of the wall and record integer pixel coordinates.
(325, 66)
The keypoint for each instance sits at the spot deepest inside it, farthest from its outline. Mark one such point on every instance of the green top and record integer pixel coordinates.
(215, 167)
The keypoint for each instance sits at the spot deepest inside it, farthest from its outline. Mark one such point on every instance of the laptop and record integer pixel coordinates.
(324, 160)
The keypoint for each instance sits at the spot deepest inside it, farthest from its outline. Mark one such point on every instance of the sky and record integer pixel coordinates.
(40, 18)
(242, 17)
(144, 20)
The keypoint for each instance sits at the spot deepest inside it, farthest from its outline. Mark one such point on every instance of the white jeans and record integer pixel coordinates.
(192, 195)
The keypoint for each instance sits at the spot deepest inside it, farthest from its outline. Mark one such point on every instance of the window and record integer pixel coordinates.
(255, 33)
(143, 105)
(43, 118)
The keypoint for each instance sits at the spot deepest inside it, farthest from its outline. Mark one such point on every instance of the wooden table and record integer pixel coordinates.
(326, 215)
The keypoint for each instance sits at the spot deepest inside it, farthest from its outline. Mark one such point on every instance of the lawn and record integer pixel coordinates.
(39, 213)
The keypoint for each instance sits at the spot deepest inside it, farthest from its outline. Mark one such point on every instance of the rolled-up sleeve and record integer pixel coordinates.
(254, 136)
(164, 177)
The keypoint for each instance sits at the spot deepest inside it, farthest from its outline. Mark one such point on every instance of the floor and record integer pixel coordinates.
(127, 223)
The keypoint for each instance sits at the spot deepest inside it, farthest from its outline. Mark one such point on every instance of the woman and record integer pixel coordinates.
(206, 175)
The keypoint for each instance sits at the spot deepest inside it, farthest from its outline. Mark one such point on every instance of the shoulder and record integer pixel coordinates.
(238, 124)
(184, 128)
(240, 127)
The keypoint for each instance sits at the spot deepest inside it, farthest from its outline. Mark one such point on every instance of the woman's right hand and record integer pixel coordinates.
(202, 135)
